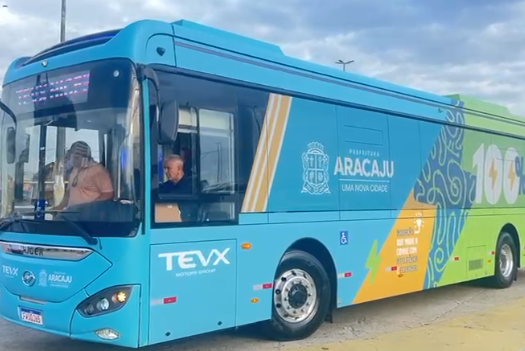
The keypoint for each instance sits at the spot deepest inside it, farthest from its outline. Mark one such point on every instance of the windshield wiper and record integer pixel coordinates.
(9, 112)
(5, 223)
(82, 233)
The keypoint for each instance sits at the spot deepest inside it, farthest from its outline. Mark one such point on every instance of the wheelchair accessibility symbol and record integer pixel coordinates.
(343, 238)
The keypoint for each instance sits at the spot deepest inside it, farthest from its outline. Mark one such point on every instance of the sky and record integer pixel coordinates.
(472, 47)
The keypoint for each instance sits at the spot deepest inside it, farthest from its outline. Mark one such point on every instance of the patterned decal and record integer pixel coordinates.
(267, 154)
(444, 184)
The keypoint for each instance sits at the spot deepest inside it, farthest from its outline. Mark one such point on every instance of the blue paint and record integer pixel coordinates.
(290, 190)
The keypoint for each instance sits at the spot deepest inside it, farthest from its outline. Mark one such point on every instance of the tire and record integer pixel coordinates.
(301, 297)
(506, 263)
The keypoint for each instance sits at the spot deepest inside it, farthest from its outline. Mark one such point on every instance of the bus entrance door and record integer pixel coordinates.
(193, 288)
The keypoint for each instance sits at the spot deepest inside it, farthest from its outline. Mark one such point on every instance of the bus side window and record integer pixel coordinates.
(217, 164)
(216, 140)
(219, 130)
(184, 147)
(179, 196)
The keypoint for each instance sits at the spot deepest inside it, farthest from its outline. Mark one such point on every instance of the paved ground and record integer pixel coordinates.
(459, 318)
(499, 328)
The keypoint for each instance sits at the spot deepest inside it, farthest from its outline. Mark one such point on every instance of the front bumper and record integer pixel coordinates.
(64, 319)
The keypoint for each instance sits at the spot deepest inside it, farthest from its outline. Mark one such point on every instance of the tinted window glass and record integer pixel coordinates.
(201, 178)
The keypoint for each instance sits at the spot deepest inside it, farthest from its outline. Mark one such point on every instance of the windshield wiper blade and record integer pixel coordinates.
(82, 233)
(6, 223)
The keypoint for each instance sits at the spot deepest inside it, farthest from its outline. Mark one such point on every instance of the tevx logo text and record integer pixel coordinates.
(196, 261)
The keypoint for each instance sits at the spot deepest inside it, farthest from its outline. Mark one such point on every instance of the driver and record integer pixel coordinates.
(88, 181)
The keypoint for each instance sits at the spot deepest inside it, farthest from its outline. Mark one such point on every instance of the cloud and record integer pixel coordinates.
(442, 46)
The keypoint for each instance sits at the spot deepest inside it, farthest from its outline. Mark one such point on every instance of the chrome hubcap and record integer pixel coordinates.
(506, 260)
(295, 296)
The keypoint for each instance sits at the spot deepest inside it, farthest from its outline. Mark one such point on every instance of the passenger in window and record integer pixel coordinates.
(178, 182)
(88, 180)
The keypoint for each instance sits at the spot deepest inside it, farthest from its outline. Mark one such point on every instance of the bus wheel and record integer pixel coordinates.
(506, 262)
(301, 297)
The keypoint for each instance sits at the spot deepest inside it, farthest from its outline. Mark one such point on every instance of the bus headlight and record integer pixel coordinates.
(105, 301)
(103, 304)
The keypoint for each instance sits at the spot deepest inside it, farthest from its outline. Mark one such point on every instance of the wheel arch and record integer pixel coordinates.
(317, 249)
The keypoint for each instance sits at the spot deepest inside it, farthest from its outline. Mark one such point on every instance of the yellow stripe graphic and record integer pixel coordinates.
(267, 154)
(274, 152)
(259, 162)
(261, 166)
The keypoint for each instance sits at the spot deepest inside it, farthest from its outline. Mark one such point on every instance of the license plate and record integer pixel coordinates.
(31, 316)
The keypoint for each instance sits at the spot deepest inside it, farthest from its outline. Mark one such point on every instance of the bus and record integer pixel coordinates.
(166, 180)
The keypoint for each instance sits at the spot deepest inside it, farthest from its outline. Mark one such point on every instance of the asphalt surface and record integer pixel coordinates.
(461, 317)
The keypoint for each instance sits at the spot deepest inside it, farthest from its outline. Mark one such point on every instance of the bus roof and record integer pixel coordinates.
(272, 53)
(489, 115)
(260, 50)
(255, 49)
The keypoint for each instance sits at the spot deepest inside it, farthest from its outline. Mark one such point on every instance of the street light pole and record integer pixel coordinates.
(63, 22)
(344, 63)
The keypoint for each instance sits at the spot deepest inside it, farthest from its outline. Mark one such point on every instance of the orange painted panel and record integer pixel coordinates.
(401, 264)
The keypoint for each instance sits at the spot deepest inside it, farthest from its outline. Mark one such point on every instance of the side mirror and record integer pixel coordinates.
(168, 122)
(10, 145)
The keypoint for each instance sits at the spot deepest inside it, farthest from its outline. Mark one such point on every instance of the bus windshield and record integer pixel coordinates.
(70, 159)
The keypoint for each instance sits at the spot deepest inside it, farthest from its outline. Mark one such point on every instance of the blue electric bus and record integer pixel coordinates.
(165, 180)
